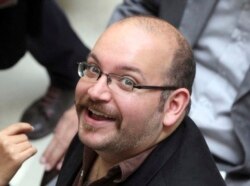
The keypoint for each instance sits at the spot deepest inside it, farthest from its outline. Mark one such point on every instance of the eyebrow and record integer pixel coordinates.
(92, 55)
(119, 67)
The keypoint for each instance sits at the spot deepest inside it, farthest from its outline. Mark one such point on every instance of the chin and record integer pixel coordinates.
(89, 137)
(98, 146)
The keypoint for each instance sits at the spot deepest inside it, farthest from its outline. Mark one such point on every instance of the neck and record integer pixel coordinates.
(99, 169)
(110, 159)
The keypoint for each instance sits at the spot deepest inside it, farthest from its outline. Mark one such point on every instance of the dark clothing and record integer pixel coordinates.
(116, 174)
(16, 22)
(41, 27)
(182, 159)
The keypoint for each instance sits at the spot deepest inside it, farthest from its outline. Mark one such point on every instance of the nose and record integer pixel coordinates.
(100, 91)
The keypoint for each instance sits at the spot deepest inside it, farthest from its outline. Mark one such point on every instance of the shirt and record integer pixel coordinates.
(222, 56)
(118, 173)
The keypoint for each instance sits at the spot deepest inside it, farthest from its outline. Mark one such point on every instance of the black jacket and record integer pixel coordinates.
(183, 159)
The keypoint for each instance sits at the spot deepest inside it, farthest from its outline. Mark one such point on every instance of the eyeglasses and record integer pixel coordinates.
(91, 73)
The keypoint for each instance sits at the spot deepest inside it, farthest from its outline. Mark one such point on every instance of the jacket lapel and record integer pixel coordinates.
(172, 11)
(189, 15)
(195, 16)
(72, 163)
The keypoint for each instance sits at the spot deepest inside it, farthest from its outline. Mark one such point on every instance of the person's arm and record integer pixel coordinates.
(134, 7)
(15, 148)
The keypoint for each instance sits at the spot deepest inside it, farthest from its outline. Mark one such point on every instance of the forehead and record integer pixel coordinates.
(132, 46)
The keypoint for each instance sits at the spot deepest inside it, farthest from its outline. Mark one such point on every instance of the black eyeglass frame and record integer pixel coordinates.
(149, 87)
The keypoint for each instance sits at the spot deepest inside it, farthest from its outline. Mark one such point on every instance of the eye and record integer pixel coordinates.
(92, 71)
(127, 83)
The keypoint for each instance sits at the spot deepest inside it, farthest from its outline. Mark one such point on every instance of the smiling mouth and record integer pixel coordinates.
(97, 115)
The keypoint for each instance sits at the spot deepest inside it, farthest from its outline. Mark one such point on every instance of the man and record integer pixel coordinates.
(220, 99)
(40, 27)
(221, 91)
(132, 102)
(15, 148)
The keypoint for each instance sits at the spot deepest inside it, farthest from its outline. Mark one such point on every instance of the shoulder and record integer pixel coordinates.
(191, 163)
(181, 159)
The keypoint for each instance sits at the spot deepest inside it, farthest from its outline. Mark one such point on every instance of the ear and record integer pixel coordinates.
(175, 107)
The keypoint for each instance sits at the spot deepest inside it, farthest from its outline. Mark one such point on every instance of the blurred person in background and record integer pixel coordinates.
(40, 27)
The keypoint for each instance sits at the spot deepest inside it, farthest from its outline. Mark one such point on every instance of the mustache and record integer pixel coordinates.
(87, 103)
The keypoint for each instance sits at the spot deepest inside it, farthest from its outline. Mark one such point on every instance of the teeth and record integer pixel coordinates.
(99, 113)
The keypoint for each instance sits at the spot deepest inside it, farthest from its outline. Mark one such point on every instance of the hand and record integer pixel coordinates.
(15, 148)
(63, 134)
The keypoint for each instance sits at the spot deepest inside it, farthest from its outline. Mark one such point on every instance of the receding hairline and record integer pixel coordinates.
(152, 25)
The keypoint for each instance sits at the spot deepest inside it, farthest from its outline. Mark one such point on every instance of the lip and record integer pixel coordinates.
(101, 121)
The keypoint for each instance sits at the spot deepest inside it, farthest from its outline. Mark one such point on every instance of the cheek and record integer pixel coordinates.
(138, 110)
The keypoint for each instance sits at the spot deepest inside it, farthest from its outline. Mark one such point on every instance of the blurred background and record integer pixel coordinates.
(27, 80)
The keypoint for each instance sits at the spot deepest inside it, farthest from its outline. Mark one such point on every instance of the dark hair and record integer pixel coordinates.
(182, 69)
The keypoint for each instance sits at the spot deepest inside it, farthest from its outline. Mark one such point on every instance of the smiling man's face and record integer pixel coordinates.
(116, 121)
